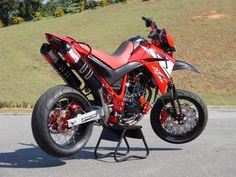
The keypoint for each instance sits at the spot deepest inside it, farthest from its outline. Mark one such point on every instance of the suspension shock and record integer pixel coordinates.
(78, 63)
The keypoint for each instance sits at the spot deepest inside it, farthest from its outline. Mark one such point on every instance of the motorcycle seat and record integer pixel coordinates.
(119, 58)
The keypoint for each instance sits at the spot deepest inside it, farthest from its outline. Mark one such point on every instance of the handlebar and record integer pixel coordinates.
(148, 21)
(155, 32)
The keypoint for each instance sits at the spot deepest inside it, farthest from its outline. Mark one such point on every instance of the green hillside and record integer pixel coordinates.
(204, 32)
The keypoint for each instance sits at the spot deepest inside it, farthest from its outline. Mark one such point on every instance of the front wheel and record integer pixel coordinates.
(49, 121)
(182, 129)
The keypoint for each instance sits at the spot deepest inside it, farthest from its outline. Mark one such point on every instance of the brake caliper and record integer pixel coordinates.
(164, 115)
(62, 120)
(58, 119)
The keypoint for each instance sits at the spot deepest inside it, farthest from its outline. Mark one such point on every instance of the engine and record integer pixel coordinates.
(136, 104)
(135, 91)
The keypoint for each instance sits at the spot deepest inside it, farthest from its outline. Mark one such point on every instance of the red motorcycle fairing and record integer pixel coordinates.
(169, 39)
(109, 74)
(57, 40)
(156, 61)
(119, 58)
(145, 53)
(158, 74)
(122, 54)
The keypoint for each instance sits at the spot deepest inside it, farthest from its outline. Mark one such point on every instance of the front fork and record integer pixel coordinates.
(175, 101)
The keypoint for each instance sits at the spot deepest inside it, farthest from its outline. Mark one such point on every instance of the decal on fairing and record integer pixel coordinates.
(167, 67)
(158, 74)
(152, 53)
(74, 55)
(53, 56)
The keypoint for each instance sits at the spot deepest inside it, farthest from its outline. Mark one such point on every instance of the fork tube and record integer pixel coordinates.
(175, 101)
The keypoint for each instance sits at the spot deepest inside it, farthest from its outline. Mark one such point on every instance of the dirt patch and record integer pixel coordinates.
(216, 16)
(211, 15)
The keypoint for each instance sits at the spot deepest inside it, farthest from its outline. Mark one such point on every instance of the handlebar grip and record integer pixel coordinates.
(148, 21)
(144, 18)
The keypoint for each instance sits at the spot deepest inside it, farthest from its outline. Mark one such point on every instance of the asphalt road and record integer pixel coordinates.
(213, 154)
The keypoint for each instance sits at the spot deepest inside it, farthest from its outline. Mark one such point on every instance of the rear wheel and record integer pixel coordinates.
(49, 121)
(184, 128)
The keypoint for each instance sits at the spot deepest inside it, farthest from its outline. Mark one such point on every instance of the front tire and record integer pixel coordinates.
(49, 121)
(169, 128)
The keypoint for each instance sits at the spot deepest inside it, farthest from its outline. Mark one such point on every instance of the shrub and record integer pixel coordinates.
(113, 1)
(1, 24)
(17, 20)
(91, 4)
(69, 10)
(59, 12)
(38, 16)
(103, 3)
(70, 7)
(48, 9)
(81, 6)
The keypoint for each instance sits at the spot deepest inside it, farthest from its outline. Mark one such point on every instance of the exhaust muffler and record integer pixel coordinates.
(60, 66)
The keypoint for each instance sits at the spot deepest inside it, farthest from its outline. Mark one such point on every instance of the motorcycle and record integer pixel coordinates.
(114, 90)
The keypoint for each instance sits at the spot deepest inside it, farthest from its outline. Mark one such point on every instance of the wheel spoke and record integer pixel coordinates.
(60, 133)
(190, 119)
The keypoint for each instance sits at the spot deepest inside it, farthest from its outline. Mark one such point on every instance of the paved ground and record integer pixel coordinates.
(213, 154)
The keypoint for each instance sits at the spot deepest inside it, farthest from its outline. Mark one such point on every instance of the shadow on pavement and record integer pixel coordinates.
(33, 157)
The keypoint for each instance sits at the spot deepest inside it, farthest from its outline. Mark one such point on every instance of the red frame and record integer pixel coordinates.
(147, 54)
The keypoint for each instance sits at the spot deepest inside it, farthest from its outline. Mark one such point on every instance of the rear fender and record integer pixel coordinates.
(182, 65)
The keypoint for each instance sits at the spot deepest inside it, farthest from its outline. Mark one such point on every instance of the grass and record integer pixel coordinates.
(207, 43)
(15, 111)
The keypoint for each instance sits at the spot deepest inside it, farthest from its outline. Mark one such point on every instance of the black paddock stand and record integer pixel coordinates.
(117, 134)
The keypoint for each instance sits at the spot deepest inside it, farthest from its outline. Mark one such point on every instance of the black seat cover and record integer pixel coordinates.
(119, 51)
(113, 75)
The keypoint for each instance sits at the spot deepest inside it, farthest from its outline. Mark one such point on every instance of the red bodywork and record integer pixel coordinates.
(148, 54)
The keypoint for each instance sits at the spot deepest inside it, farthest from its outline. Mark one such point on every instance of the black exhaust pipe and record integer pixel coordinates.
(77, 62)
(60, 66)
(81, 67)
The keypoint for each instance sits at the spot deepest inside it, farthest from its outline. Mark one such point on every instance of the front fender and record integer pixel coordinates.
(182, 65)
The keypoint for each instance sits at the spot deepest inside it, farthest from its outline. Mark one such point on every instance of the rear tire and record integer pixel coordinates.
(195, 115)
(45, 132)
